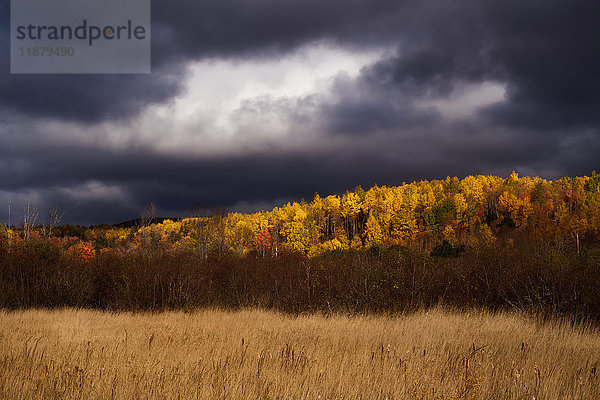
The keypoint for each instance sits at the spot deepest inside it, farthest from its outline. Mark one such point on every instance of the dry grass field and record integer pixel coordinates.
(70, 354)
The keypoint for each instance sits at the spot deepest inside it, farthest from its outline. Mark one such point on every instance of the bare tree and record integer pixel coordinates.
(9, 225)
(30, 215)
(52, 221)
(198, 211)
(148, 215)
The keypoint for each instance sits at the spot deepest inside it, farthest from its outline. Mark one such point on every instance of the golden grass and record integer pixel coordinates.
(70, 354)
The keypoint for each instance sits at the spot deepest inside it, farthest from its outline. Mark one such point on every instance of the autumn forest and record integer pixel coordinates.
(477, 210)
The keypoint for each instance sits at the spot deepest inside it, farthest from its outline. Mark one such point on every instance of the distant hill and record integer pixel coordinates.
(138, 221)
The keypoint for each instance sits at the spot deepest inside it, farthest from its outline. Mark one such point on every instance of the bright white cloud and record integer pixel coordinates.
(228, 107)
(236, 107)
(240, 107)
(466, 99)
(93, 191)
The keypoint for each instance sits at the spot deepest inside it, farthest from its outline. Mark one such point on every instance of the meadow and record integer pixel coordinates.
(257, 354)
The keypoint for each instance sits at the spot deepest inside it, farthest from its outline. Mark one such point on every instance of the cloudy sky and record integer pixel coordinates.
(252, 103)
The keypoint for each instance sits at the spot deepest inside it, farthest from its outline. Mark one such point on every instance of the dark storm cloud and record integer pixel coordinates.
(546, 53)
(549, 53)
(184, 31)
(86, 98)
(366, 106)
(108, 186)
(240, 28)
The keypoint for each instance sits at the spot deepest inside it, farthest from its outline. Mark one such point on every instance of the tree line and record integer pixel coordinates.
(474, 211)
